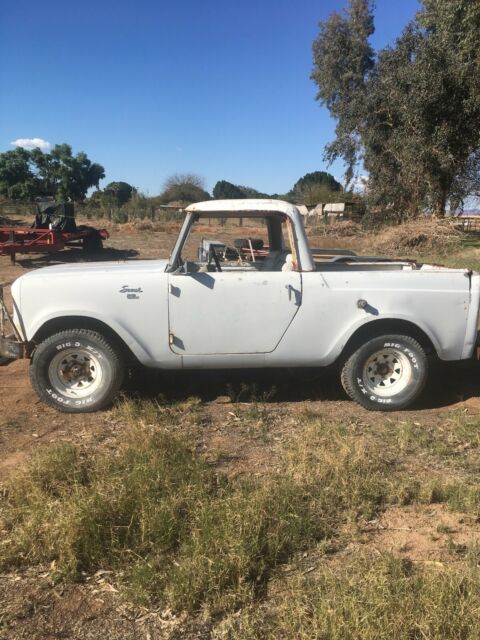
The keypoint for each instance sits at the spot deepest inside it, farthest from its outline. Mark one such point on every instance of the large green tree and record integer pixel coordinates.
(27, 174)
(184, 188)
(315, 187)
(65, 176)
(343, 61)
(228, 191)
(17, 178)
(119, 192)
(411, 113)
(224, 190)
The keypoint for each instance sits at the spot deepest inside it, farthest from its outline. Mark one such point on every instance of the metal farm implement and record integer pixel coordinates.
(15, 240)
(53, 230)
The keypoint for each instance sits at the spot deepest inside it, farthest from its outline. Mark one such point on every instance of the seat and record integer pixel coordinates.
(274, 261)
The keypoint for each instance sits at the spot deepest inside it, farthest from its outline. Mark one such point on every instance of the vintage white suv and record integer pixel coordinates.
(246, 302)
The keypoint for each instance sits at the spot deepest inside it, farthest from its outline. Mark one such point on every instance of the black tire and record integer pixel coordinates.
(77, 371)
(92, 243)
(387, 373)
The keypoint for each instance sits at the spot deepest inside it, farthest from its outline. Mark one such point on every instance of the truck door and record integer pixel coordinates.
(231, 311)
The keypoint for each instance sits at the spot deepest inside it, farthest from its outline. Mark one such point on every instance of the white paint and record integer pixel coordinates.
(231, 312)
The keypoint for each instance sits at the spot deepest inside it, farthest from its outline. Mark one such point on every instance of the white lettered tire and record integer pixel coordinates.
(387, 373)
(77, 371)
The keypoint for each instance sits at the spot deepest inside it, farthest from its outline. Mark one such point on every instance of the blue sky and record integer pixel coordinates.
(150, 88)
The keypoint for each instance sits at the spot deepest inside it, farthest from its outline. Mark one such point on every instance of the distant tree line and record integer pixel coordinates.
(121, 202)
(408, 115)
(29, 174)
(312, 188)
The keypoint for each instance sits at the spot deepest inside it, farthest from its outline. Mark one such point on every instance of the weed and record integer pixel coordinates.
(250, 393)
(177, 531)
(159, 413)
(256, 416)
(443, 528)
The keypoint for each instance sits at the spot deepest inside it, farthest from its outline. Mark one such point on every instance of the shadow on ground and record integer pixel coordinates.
(448, 384)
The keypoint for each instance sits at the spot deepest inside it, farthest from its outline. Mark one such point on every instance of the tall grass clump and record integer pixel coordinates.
(179, 531)
(366, 598)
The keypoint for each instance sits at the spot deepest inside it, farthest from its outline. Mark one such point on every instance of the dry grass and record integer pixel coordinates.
(425, 235)
(264, 557)
(182, 532)
(339, 229)
(425, 240)
(366, 598)
(148, 226)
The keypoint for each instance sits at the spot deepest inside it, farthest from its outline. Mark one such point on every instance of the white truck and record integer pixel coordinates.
(245, 302)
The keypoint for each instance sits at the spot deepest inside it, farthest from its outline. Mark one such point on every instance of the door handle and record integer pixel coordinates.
(296, 294)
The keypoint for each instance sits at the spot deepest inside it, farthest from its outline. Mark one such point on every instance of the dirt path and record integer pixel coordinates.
(26, 423)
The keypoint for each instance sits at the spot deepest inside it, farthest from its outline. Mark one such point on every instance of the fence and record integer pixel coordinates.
(10, 212)
(470, 224)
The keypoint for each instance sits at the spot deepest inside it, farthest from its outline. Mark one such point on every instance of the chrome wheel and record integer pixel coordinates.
(387, 372)
(75, 373)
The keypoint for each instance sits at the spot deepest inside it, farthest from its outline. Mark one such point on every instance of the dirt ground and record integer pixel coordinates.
(31, 607)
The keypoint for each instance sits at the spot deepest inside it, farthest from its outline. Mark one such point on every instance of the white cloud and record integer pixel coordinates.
(30, 143)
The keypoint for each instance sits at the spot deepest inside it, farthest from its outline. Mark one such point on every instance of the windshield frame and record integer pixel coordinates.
(274, 221)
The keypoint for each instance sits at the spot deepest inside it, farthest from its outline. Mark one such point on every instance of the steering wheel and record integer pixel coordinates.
(212, 254)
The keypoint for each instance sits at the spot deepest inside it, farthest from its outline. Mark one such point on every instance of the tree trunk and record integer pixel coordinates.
(441, 202)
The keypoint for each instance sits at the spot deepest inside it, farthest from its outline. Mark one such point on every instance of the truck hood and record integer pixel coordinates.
(127, 271)
(90, 269)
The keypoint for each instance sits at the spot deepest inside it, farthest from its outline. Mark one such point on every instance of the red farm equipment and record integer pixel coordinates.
(53, 230)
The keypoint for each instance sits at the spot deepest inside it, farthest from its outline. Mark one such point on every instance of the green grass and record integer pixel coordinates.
(259, 557)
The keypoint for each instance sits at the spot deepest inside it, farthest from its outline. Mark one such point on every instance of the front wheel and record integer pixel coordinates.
(387, 373)
(77, 371)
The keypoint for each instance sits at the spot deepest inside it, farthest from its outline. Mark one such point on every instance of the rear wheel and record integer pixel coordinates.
(387, 373)
(77, 371)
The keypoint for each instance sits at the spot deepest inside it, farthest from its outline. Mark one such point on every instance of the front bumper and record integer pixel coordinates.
(11, 349)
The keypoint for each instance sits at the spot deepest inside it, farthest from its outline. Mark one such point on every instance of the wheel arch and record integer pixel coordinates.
(383, 326)
(64, 323)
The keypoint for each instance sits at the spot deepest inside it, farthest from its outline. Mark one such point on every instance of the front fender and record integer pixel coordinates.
(53, 322)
